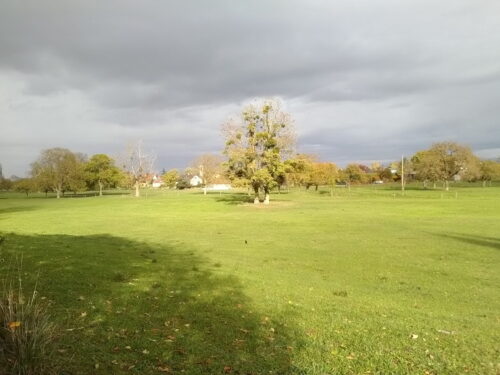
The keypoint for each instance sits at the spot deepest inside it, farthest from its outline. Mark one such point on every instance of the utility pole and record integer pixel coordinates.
(402, 175)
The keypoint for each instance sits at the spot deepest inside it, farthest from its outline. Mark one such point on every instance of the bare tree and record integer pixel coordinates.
(138, 164)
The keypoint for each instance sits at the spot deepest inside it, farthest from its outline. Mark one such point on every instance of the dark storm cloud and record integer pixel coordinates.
(365, 80)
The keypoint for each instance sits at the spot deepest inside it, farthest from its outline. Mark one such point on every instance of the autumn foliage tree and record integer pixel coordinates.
(25, 185)
(445, 160)
(323, 173)
(171, 178)
(298, 169)
(489, 170)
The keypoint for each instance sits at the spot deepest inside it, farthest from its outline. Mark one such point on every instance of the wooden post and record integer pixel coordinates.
(402, 175)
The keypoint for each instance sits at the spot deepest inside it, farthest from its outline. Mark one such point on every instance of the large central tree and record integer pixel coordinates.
(257, 144)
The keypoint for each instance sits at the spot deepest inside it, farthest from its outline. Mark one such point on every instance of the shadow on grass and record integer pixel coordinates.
(327, 192)
(407, 188)
(234, 198)
(491, 242)
(10, 210)
(92, 194)
(243, 198)
(126, 307)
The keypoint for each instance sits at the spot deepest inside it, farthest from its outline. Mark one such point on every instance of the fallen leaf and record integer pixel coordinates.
(14, 325)
(163, 369)
(227, 369)
(414, 336)
(145, 351)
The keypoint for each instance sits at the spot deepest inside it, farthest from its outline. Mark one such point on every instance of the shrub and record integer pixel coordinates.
(183, 184)
(26, 333)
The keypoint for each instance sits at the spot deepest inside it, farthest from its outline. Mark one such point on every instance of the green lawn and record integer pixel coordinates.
(364, 282)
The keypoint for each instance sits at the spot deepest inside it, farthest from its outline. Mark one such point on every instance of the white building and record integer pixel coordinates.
(157, 182)
(195, 181)
(218, 187)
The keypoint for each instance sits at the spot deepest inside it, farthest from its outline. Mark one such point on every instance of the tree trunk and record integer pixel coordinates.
(266, 198)
(204, 190)
(137, 193)
(58, 193)
(256, 199)
(316, 189)
(434, 185)
(100, 188)
(484, 183)
(446, 185)
(331, 190)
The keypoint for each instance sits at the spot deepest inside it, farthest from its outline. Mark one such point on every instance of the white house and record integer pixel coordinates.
(157, 182)
(195, 181)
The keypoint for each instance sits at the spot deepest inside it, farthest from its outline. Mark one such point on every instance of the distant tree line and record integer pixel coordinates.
(259, 154)
(60, 170)
(441, 163)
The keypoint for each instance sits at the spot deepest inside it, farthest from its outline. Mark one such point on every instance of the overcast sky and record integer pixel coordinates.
(364, 80)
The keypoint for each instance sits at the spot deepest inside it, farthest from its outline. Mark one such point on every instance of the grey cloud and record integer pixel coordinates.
(368, 78)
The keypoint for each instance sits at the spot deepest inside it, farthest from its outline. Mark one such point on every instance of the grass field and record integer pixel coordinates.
(364, 282)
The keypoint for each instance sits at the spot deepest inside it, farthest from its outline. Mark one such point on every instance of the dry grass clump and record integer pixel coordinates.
(26, 332)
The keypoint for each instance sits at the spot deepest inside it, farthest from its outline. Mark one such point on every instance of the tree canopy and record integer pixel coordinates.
(60, 169)
(102, 172)
(257, 144)
(445, 160)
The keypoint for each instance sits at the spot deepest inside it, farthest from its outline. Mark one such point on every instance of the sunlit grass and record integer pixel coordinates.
(366, 281)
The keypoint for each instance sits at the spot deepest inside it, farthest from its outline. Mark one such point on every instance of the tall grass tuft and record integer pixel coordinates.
(26, 333)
